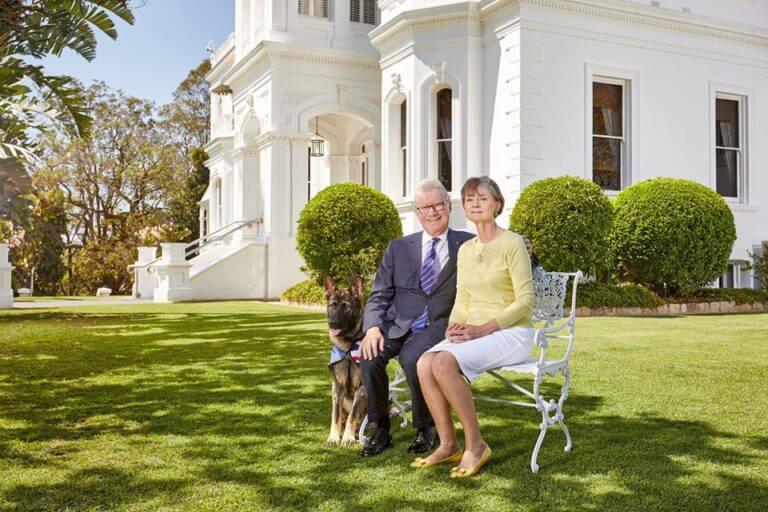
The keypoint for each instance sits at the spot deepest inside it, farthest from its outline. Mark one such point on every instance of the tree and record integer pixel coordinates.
(43, 246)
(119, 178)
(29, 98)
(186, 124)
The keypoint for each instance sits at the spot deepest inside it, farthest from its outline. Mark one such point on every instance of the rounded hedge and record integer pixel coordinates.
(672, 235)
(568, 220)
(344, 230)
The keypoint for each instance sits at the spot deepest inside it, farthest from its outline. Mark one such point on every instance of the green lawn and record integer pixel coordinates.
(225, 406)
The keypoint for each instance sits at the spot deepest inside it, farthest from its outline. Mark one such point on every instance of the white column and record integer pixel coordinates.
(6, 292)
(276, 183)
(172, 274)
(145, 279)
(248, 198)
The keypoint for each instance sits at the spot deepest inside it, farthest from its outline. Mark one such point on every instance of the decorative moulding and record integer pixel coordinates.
(615, 10)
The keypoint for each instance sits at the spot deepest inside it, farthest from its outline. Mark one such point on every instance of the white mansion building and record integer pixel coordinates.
(609, 90)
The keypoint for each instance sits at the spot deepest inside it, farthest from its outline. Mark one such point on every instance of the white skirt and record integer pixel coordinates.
(501, 348)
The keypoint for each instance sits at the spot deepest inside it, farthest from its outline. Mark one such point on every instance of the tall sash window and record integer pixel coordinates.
(444, 138)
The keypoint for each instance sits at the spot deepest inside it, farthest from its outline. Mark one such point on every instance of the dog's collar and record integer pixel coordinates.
(338, 355)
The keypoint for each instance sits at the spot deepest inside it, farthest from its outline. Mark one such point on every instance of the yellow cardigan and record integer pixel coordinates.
(498, 287)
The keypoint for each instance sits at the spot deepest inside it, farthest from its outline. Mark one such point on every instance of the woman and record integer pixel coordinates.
(490, 326)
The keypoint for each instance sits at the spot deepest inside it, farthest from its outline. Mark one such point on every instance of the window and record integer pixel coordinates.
(309, 174)
(609, 141)
(364, 167)
(729, 147)
(404, 147)
(204, 222)
(444, 138)
(317, 8)
(363, 11)
(219, 204)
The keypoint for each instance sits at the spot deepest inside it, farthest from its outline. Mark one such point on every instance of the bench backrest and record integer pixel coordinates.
(550, 290)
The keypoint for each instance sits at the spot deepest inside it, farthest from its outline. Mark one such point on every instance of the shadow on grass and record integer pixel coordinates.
(249, 396)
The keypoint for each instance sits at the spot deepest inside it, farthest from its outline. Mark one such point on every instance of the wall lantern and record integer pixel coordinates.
(316, 142)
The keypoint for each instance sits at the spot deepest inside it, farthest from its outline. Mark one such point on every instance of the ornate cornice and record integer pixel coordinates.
(613, 10)
(281, 51)
(421, 19)
(647, 16)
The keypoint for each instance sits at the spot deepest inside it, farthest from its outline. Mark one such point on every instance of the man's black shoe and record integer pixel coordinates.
(426, 439)
(379, 441)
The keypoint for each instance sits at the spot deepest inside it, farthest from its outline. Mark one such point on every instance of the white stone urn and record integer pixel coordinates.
(172, 274)
(145, 279)
(6, 292)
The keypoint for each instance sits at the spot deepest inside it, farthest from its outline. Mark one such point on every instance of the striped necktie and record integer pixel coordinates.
(428, 279)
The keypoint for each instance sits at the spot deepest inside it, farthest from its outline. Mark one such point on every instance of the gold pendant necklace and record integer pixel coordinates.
(479, 257)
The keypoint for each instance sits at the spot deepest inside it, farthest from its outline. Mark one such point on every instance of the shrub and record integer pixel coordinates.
(306, 292)
(671, 235)
(735, 295)
(593, 295)
(9, 235)
(760, 266)
(344, 230)
(568, 220)
(313, 294)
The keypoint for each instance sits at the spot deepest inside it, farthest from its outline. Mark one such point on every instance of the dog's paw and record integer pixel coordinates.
(348, 440)
(332, 440)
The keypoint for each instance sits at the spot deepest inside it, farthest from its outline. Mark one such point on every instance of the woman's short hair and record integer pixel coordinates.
(427, 186)
(472, 184)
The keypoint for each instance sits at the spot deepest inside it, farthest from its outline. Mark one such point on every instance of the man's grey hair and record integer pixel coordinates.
(427, 186)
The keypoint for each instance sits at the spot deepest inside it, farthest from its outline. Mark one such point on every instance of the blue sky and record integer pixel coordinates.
(150, 58)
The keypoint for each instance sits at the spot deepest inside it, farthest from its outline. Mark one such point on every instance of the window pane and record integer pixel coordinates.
(727, 123)
(321, 8)
(304, 7)
(403, 122)
(727, 172)
(444, 114)
(404, 170)
(369, 12)
(444, 164)
(354, 10)
(607, 109)
(606, 163)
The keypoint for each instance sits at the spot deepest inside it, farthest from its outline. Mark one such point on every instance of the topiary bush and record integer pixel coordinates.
(672, 235)
(344, 230)
(312, 293)
(568, 220)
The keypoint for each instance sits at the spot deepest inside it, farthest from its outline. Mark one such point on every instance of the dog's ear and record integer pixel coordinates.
(357, 287)
(330, 286)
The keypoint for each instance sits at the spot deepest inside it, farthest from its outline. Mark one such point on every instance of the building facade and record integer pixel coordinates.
(613, 91)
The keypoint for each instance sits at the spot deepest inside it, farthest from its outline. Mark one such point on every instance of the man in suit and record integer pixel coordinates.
(407, 313)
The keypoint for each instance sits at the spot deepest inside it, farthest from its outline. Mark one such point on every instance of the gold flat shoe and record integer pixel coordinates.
(419, 463)
(458, 472)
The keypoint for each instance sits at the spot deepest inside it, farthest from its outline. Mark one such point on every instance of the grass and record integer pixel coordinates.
(225, 406)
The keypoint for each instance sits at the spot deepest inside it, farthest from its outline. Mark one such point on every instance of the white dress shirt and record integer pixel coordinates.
(441, 249)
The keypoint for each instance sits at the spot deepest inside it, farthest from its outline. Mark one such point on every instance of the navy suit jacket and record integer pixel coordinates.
(396, 298)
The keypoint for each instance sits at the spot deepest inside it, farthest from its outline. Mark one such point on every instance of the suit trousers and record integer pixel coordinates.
(408, 350)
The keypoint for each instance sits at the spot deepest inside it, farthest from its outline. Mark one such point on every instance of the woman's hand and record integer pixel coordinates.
(459, 333)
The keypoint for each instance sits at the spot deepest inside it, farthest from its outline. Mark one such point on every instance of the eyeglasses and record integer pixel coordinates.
(438, 207)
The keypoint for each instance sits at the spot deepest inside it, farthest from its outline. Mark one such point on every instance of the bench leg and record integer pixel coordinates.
(560, 416)
(539, 441)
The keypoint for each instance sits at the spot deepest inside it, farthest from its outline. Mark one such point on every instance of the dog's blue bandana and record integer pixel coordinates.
(338, 355)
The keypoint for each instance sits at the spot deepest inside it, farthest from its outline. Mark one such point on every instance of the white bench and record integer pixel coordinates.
(550, 290)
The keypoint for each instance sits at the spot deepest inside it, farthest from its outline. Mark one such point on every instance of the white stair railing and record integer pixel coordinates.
(194, 247)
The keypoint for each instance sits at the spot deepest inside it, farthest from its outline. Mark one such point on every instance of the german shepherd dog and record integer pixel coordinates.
(345, 325)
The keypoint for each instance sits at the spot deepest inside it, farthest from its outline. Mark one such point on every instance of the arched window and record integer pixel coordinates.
(444, 138)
